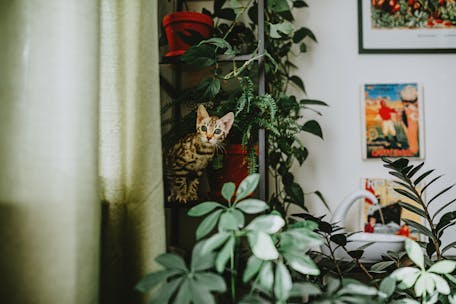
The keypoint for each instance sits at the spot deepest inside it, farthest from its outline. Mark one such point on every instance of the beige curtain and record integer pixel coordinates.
(79, 119)
(130, 149)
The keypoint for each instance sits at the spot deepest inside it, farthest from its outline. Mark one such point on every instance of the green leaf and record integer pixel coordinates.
(422, 176)
(313, 127)
(218, 42)
(339, 239)
(211, 281)
(413, 209)
(299, 4)
(295, 192)
(239, 216)
(302, 264)
(266, 276)
(439, 194)
(201, 260)
(358, 289)
(226, 13)
(209, 88)
(227, 222)
(215, 241)
(228, 190)
(184, 293)
(224, 255)
(415, 170)
(266, 223)
(442, 267)
(414, 252)
(171, 261)
(387, 286)
(252, 268)
(445, 220)
(204, 208)
(277, 30)
(303, 47)
(252, 206)
(200, 293)
(207, 224)
(200, 55)
(420, 228)
(278, 6)
(448, 247)
(356, 254)
(165, 292)
(407, 275)
(262, 246)
(440, 284)
(430, 183)
(298, 82)
(153, 279)
(283, 283)
(420, 285)
(407, 194)
(443, 208)
(247, 186)
(302, 33)
(381, 266)
(304, 290)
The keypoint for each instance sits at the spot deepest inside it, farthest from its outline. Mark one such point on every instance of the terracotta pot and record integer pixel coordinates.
(183, 23)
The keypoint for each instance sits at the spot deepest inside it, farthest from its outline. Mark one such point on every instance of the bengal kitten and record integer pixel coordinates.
(187, 159)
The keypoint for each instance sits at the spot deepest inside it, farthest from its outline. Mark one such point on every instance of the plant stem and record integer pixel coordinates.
(233, 277)
(333, 256)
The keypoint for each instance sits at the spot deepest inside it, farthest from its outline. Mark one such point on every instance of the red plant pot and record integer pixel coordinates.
(235, 169)
(184, 23)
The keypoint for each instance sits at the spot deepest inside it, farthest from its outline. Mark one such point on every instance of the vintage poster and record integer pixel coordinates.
(392, 120)
(387, 216)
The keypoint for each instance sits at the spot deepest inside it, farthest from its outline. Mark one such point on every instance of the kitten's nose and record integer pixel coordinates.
(209, 136)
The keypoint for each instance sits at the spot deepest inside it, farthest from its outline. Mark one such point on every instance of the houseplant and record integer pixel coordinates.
(270, 259)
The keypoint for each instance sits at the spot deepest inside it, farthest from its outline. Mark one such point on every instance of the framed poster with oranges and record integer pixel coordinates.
(407, 26)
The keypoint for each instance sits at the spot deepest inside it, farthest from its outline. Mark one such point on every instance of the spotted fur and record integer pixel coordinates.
(187, 159)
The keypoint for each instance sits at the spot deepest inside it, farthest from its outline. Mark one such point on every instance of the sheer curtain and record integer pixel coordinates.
(130, 150)
(79, 119)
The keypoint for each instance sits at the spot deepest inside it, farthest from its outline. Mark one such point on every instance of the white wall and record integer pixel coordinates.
(333, 71)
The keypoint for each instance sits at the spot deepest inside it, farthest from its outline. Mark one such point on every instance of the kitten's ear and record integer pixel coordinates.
(228, 120)
(201, 114)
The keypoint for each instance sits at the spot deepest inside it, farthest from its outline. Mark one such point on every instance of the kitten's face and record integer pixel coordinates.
(211, 129)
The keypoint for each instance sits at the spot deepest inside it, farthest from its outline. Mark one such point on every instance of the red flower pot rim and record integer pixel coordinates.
(187, 16)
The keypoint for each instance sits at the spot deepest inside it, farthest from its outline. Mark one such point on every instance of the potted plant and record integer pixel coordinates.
(185, 28)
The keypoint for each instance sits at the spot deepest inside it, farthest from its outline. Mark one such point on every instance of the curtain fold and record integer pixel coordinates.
(130, 147)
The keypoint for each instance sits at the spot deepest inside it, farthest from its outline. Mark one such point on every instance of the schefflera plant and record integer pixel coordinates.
(273, 252)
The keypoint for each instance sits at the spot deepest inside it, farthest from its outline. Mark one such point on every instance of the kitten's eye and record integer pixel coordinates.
(217, 131)
(203, 128)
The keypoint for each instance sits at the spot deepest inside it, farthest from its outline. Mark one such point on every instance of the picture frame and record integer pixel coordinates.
(389, 216)
(401, 27)
(392, 120)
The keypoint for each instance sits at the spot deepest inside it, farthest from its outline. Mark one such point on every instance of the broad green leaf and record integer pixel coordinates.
(266, 223)
(252, 268)
(153, 279)
(282, 282)
(207, 224)
(304, 290)
(227, 222)
(184, 294)
(358, 289)
(215, 241)
(266, 276)
(204, 208)
(414, 252)
(218, 42)
(252, 206)
(211, 281)
(403, 273)
(313, 102)
(429, 283)
(247, 186)
(313, 127)
(228, 190)
(262, 246)
(201, 260)
(278, 6)
(387, 286)
(199, 293)
(381, 266)
(445, 266)
(302, 33)
(420, 286)
(200, 55)
(165, 292)
(298, 82)
(277, 30)
(299, 4)
(295, 192)
(302, 264)
(171, 261)
(339, 239)
(209, 88)
(440, 284)
(224, 255)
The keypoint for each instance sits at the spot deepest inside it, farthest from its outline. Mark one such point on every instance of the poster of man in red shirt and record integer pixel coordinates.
(391, 119)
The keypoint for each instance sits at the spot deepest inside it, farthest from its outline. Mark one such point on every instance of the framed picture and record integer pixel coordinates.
(392, 120)
(388, 216)
(407, 26)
